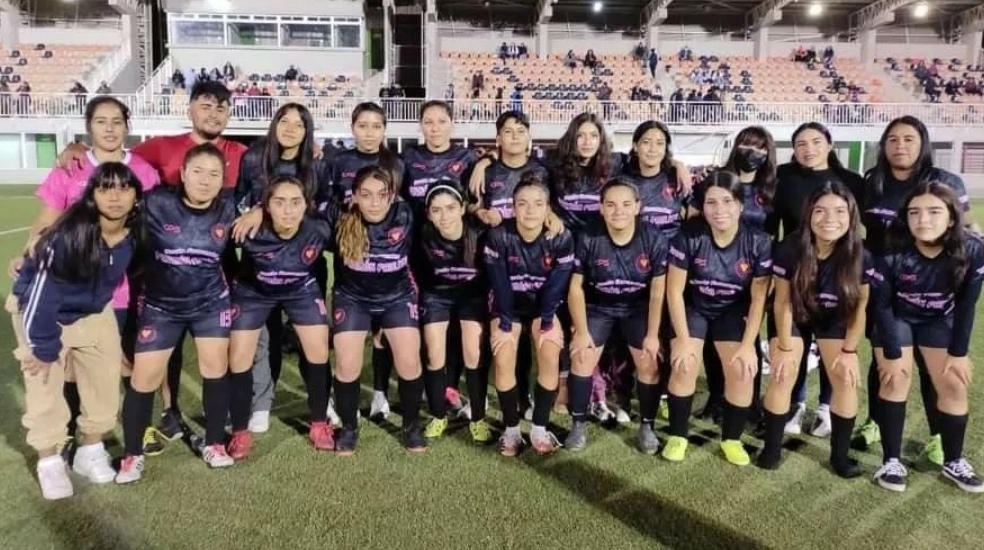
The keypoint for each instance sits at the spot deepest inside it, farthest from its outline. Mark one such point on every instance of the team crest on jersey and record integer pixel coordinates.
(219, 232)
(602, 262)
(146, 335)
(642, 263)
(456, 168)
(907, 278)
(338, 316)
(759, 199)
(309, 253)
(743, 268)
(669, 191)
(548, 261)
(395, 235)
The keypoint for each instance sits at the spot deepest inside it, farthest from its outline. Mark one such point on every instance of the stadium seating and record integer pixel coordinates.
(905, 74)
(54, 73)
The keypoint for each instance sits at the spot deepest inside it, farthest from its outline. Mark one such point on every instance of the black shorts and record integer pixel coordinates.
(353, 315)
(438, 308)
(932, 334)
(831, 331)
(633, 323)
(159, 330)
(727, 326)
(250, 309)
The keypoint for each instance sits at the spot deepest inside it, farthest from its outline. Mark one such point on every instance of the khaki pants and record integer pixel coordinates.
(90, 349)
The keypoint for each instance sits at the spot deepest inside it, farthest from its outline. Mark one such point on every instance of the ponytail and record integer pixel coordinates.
(353, 236)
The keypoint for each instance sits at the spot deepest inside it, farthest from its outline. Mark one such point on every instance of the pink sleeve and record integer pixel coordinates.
(146, 173)
(54, 190)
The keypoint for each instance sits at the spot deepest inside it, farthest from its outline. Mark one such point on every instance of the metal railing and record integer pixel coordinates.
(107, 67)
(253, 108)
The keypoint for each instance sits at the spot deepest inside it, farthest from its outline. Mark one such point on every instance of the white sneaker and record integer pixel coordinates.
(92, 462)
(259, 422)
(333, 417)
(53, 478)
(794, 426)
(380, 407)
(813, 359)
(216, 456)
(131, 469)
(821, 423)
(622, 416)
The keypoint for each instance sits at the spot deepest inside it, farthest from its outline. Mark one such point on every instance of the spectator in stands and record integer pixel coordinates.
(516, 99)
(590, 60)
(228, 71)
(811, 54)
(605, 97)
(103, 88)
(215, 75)
(498, 100)
(477, 81)
(799, 54)
(952, 89)
(639, 52)
(191, 78)
(24, 97)
(449, 95)
(202, 76)
(653, 61)
(685, 54)
(177, 79)
(4, 98)
(523, 51)
(932, 92)
(513, 51)
(290, 75)
(972, 87)
(828, 54)
(80, 92)
(571, 60)
(504, 52)
(475, 107)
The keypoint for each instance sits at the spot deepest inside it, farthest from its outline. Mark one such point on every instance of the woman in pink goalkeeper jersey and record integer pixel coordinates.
(107, 121)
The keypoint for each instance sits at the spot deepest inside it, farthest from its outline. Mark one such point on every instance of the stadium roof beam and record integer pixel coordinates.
(544, 11)
(968, 20)
(876, 14)
(767, 13)
(655, 12)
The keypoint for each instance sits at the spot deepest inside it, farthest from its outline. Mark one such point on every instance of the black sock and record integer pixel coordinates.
(317, 381)
(734, 421)
(126, 383)
(410, 391)
(216, 391)
(174, 365)
(928, 392)
(772, 439)
(137, 410)
(952, 430)
(714, 373)
(543, 402)
(241, 398)
(524, 365)
(382, 369)
(891, 425)
(680, 414)
(454, 362)
(509, 403)
(874, 387)
(347, 401)
(840, 438)
(648, 401)
(436, 382)
(71, 392)
(579, 397)
(477, 381)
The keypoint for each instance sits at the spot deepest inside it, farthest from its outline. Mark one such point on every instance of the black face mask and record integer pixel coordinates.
(749, 160)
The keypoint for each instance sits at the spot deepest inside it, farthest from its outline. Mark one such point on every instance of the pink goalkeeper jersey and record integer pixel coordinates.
(61, 189)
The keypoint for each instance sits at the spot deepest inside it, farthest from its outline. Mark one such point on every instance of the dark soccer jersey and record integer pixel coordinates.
(501, 180)
(183, 264)
(424, 167)
(347, 164)
(440, 266)
(619, 275)
(787, 255)
(660, 203)
(794, 185)
(528, 279)
(252, 181)
(880, 213)
(276, 266)
(755, 212)
(580, 202)
(383, 276)
(720, 278)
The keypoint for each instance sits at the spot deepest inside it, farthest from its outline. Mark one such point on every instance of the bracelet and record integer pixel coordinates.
(784, 349)
(849, 351)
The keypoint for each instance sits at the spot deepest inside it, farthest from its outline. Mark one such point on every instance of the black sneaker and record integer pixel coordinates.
(849, 469)
(171, 426)
(962, 474)
(577, 439)
(892, 476)
(346, 441)
(413, 439)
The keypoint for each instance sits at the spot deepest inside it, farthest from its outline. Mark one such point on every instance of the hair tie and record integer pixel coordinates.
(443, 187)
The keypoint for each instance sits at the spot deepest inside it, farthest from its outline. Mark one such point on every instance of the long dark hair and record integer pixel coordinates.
(99, 101)
(469, 234)
(833, 163)
(725, 179)
(352, 234)
(387, 160)
(569, 160)
(273, 186)
(953, 240)
(921, 171)
(206, 149)
(666, 166)
(765, 176)
(304, 161)
(847, 259)
(76, 236)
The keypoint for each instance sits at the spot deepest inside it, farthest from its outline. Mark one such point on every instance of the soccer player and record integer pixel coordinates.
(654, 172)
(619, 280)
(373, 236)
(62, 314)
(821, 289)
(529, 275)
(184, 289)
(275, 272)
(453, 285)
(716, 286)
(925, 290)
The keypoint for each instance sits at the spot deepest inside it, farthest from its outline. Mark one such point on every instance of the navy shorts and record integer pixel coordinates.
(158, 330)
(633, 323)
(932, 334)
(349, 315)
(727, 326)
(820, 331)
(440, 308)
(250, 309)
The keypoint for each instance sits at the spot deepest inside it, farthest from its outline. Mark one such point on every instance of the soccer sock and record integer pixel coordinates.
(241, 388)
(137, 410)
(509, 402)
(892, 425)
(382, 368)
(436, 383)
(680, 414)
(580, 394)
(543, 402)
(952, 430)
(347, 400)
(216, 392)
(840, 438)
(734, 421)
(317, 381)
(410, 391)
(648, 401)
(477, 381)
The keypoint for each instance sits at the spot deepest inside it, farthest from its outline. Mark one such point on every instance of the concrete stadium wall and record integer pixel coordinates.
(270, 60)
(340, 8)
(56, 35)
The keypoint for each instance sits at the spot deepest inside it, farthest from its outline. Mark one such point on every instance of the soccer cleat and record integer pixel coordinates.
(962, 474)
(153, 442)
(241, 445)
(623, 415)
(259, 422)
(435, 428)
(794, 426)
(171, 426)
(663, 413)
(413, 440)
(131, 469)
(601, 412)
(333, 418)
(849, 469)
(544, 443)
(821, 422)
(735, 453)
(480, 432)
(346, 442)
(892, 476)
(511, 444)
(675, 449)
(379, 409)
(646, 440)
(53, 478)
(216, 456)
(322, 436)
(868, 435)
(933, 451)
(577, 439)
(92, 462)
